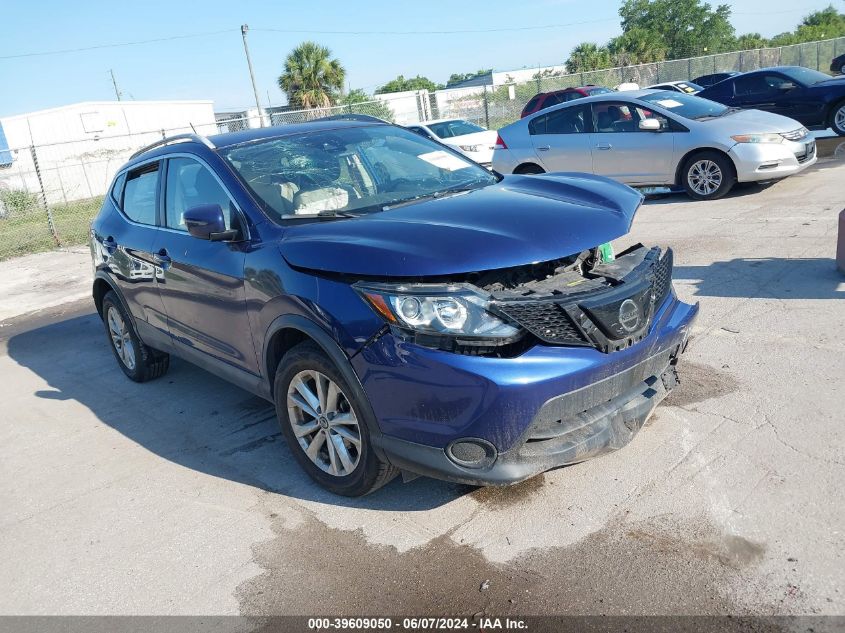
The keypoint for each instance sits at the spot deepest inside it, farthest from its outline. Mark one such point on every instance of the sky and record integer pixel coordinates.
(206, 60)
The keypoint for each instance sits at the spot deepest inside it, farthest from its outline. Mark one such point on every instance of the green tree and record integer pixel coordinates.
(455, 78)
(311, 78)
(588, 56)
(750, 41)
(684, 27)
(359, 102)
(821, 25)
(400, 84)
(637, 46)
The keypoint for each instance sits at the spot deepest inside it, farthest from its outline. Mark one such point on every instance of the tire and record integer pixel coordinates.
(708, 175)
(340, 466)
(837, 118)
(139, 362)
(529, 169)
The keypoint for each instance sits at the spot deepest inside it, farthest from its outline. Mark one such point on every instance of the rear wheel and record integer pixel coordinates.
(529, 169)
(325, 424)
(139, 362)
(708, 176)
(837, 118)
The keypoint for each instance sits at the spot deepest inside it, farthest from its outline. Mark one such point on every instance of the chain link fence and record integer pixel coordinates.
(496, 106)
(49, 193)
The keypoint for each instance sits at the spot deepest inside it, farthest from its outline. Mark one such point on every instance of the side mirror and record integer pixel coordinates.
(206, 222)
(650, 125)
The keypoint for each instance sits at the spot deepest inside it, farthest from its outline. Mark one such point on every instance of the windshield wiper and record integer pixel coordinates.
(432, 196)
(731, 110)
(320, 215)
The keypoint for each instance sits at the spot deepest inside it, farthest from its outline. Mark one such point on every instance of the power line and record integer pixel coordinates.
(116, 45)
(449, 32)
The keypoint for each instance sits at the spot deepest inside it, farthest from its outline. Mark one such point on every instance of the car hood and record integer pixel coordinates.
(520, 220)
(488, 137)
(751, 122)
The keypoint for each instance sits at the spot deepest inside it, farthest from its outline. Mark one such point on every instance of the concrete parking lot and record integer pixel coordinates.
(180, 497)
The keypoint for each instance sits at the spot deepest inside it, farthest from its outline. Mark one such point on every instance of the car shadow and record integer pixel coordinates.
(191, 417)
(679, 195)
(765, 278)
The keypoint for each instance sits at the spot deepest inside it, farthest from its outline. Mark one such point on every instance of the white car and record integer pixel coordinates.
(657, 138)
(472, 140)
(686, 87)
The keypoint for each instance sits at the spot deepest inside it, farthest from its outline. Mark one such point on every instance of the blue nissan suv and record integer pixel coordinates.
(405, 309)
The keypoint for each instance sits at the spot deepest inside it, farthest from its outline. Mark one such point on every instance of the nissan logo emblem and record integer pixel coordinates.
(629, 315)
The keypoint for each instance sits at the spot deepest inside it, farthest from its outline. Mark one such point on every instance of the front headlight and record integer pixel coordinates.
(436, 309)
(758, 138)
(470, 148)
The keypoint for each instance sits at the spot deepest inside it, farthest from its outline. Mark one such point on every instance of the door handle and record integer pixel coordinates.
(162, 258)
(604, 146)
(543, 148)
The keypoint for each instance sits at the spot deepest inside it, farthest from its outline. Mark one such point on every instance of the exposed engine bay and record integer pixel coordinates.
(584, 272)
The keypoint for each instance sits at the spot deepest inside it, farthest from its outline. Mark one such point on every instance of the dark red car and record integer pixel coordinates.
(548, 99)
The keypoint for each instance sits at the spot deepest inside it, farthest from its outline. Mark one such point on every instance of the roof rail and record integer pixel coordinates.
(364, 118)
(196, 138)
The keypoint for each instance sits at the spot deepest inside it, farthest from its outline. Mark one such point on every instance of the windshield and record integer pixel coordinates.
(458, 127)
(687, 106)
(598, 91)
(804, 76)
(350, 171)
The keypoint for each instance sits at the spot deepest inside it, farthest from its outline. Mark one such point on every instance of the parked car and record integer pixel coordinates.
(686, 87)
(656, 137)
(705, 81)
(548, 99)
(837, 64)
(472, 140)
(813, 98)
(404, 308)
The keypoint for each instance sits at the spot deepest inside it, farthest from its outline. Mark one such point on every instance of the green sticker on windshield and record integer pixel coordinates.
(606, 252)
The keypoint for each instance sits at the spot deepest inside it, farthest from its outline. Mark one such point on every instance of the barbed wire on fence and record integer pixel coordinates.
(49, 192)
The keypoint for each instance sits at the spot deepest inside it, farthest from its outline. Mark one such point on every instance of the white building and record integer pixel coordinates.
(78, 147)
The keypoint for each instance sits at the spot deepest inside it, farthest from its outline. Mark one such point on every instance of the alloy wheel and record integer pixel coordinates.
(324, 423)
(121, 338)
(839, 119)
(704, 177)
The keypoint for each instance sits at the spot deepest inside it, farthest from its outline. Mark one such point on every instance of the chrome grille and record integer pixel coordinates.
(795, 135)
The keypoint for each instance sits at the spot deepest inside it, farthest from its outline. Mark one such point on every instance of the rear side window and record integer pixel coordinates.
(139, 194)
(117, 188)
(532, 105)
(572, 120)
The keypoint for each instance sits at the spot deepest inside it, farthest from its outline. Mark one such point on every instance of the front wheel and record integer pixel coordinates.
(837, 118)
(708, 176)
(324, 424)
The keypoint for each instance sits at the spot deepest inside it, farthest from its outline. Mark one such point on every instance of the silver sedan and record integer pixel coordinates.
(657, 138)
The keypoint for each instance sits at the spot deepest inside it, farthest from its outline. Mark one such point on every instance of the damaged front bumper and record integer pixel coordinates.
(483, 421)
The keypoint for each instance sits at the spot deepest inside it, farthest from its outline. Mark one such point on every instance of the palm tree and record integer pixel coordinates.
(311, 78)
(586, 57)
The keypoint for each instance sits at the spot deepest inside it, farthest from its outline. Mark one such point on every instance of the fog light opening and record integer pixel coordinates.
(472, 453)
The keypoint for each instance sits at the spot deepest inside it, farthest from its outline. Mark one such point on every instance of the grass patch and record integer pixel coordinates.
(26, 231)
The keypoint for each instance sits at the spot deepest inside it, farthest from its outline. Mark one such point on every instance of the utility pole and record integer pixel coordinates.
(114, 83)
(244, 29)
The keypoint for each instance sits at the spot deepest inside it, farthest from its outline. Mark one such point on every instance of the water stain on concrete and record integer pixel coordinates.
(728, 549)
(504, 496)
(700, 382)
(626, 568)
